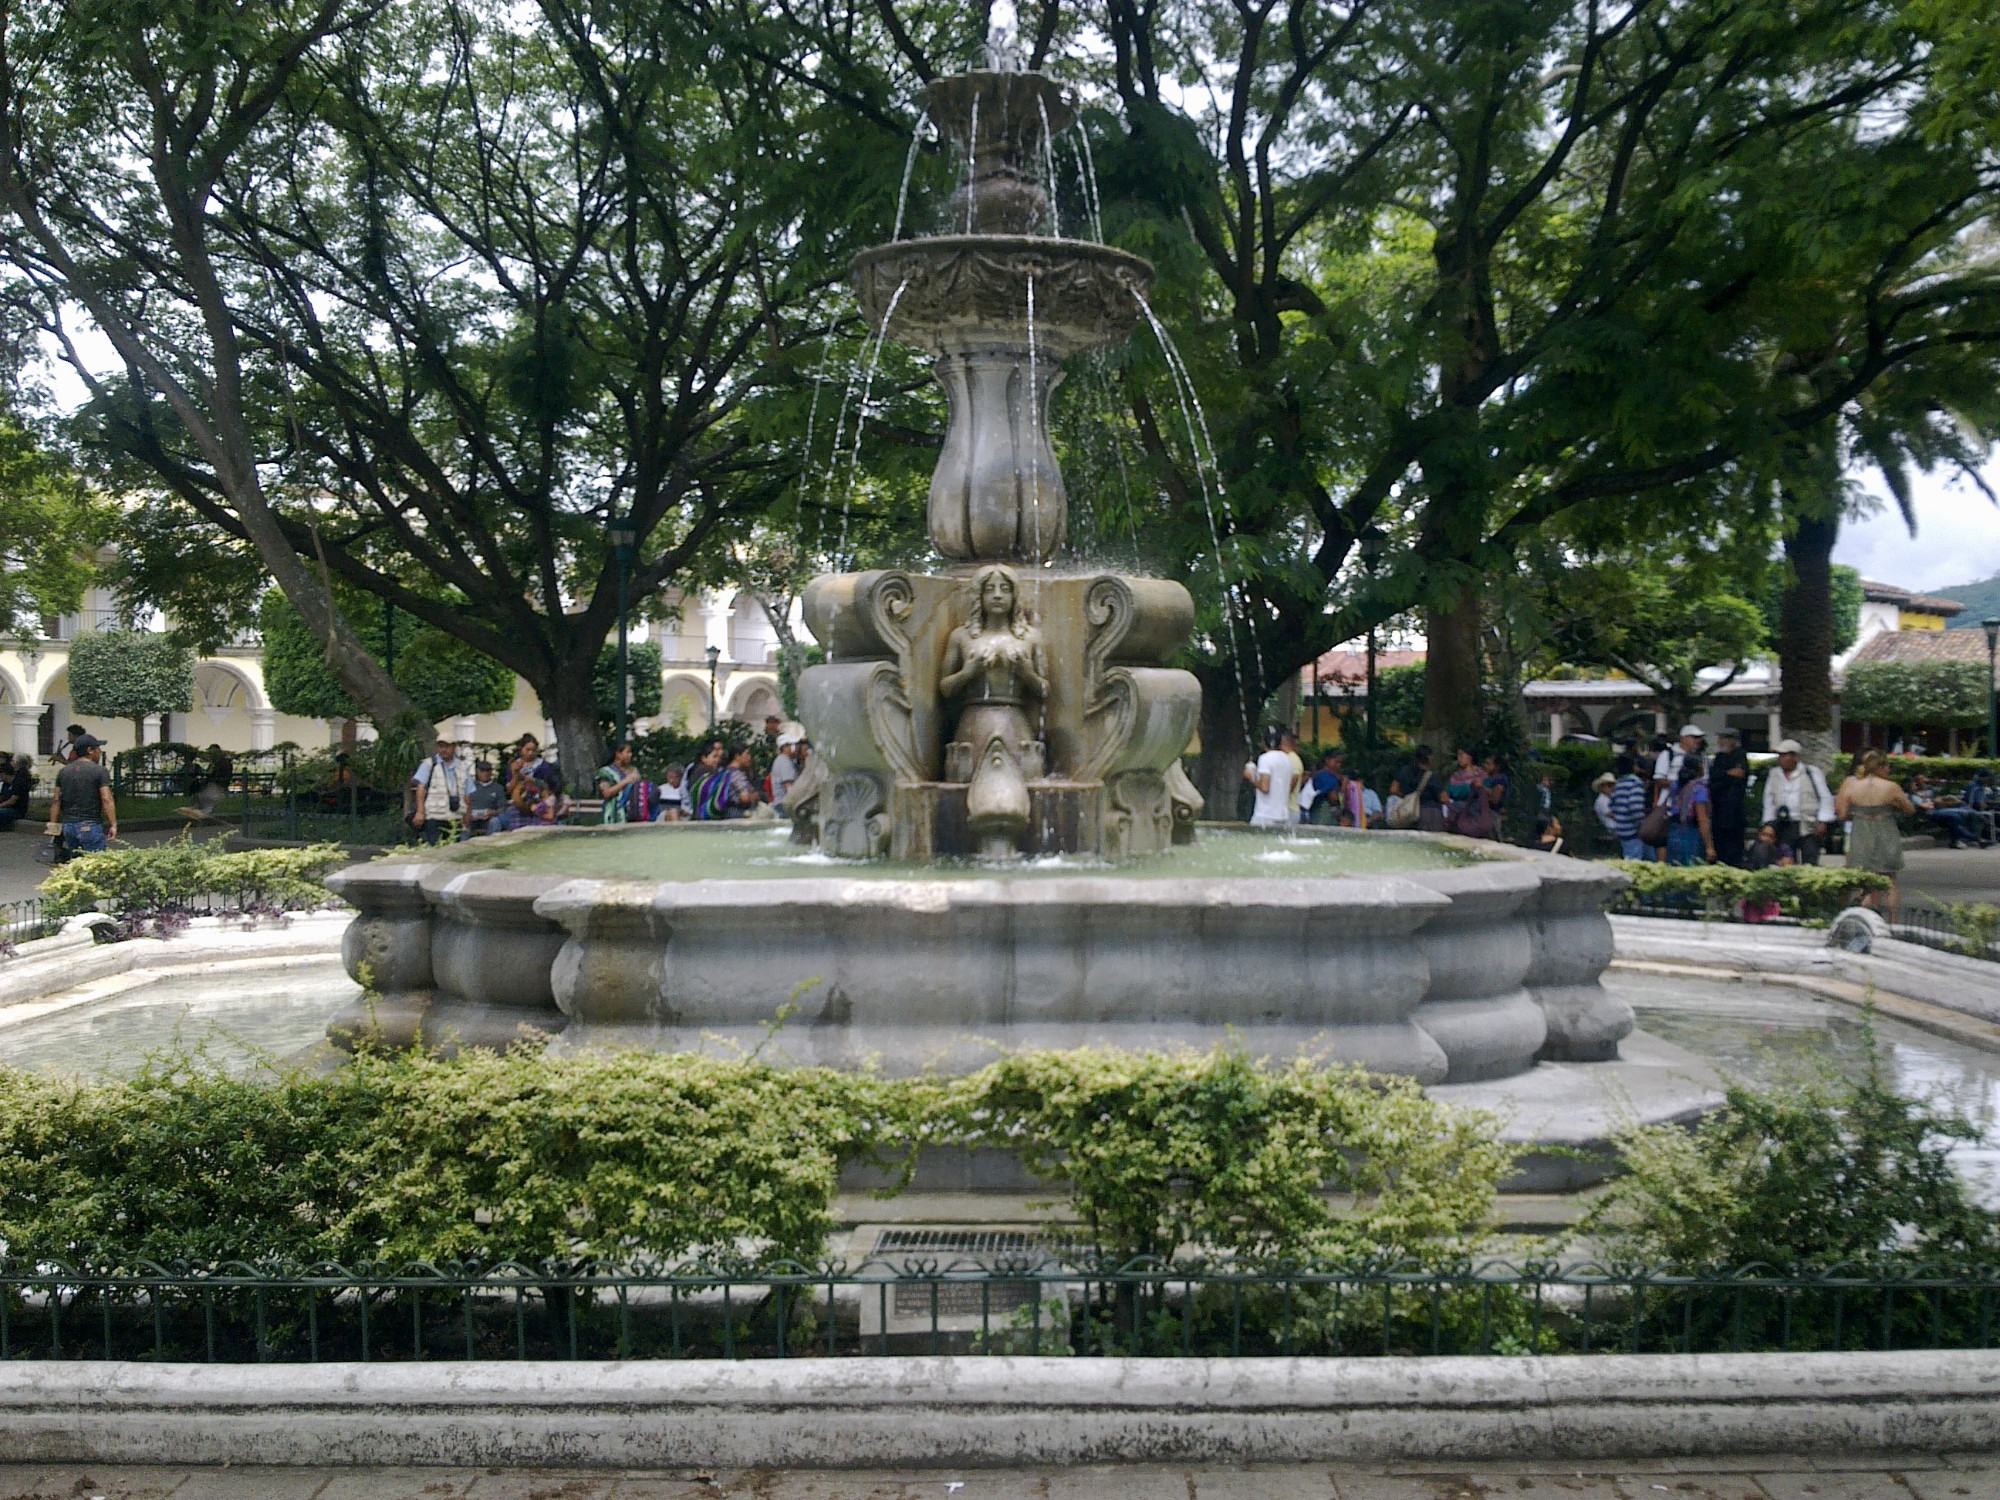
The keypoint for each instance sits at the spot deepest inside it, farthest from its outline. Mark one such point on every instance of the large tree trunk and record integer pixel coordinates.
(1224, 747)
(1451, 675)
(572, 708)
(1805, 634)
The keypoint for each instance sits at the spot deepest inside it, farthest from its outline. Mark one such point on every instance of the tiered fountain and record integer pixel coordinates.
(998, 800)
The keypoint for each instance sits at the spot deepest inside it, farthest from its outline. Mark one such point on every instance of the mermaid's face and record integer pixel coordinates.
(996, 595)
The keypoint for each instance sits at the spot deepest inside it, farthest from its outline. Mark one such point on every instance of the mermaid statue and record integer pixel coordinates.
(995, 669)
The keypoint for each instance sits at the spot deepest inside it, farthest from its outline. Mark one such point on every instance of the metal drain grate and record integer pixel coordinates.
(958, 1299)
(957, 1241)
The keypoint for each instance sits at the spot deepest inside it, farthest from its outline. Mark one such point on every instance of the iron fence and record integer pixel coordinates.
(24, 921)
(1969, 931)
(1031, 1303)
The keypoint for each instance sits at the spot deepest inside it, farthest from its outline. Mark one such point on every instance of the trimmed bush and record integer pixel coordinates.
(612, 1158)
(127, 879)
(1812, 892)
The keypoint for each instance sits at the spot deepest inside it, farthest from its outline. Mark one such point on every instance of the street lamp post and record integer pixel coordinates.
(624, 537)
(1373, 544)
(714, 656)
(1992, 687)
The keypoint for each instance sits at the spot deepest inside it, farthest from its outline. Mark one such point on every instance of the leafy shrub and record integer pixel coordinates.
(1812, 892)
(1953, 770)
(1812, 1175)
(616, 1157)
(409, 1157)
(128, 879)
(1214, 1149)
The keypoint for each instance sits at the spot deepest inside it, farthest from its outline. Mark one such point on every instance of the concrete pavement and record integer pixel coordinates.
(1826, 1477)
(20, 873)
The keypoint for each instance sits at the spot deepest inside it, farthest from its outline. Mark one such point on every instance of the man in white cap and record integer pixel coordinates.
(1667, 768)
(787, 763)
(1797, 804)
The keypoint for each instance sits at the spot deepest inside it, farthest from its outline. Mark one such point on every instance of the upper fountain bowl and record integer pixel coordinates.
(949, 292)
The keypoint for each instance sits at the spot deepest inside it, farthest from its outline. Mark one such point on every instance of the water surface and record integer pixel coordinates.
(239, 1019)
(680, 852)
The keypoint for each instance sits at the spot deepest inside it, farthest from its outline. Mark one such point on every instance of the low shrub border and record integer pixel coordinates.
(1813, 893)
(183, 875)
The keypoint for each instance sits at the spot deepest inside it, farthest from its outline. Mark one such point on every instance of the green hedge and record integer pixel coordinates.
(1811, 892)
(129, 879)
(1953, 770)
(616, 1157)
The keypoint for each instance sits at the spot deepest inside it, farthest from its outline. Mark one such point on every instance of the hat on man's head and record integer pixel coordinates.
(1606, 779)
(1789, 747)
(1726, 733)
(88, 742)
(1693, 729)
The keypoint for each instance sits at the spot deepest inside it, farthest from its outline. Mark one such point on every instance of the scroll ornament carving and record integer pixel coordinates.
(890, 604)
(890, 721)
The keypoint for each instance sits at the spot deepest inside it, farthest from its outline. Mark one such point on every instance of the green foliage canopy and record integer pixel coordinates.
(52, 523)
(643, 662)
(1934, 694)
(444, 677)
(129, 674)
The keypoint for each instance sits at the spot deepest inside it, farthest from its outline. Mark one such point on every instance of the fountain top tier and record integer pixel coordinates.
(1006, 123)
(999, 307)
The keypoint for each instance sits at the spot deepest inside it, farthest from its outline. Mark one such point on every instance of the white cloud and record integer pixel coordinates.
(1957, 539)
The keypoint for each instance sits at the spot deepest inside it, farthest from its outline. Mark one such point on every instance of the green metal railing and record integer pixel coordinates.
(1026, 1304)
(23, 921)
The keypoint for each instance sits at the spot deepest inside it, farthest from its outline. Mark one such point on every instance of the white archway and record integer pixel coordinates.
(253, 690)
(754, 697)
(682, 688)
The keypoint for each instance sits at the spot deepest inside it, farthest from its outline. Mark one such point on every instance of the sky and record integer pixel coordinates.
(1957, 540)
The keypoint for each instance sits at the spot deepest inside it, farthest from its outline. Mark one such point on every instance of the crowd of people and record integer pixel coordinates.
(450, 799)
(1470, 800)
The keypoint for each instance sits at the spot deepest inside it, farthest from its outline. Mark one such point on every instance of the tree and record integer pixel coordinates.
(1917, 694)
(53, 524)
(1845, 597)
(509, 275)
(443, 677)
(1662, 621)
(130, 674)
(644, 664)
(120, 127)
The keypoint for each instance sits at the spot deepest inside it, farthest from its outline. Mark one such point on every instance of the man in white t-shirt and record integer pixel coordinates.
(1667, 765)
(441, 786)
(1797, 803)
(1272, 777)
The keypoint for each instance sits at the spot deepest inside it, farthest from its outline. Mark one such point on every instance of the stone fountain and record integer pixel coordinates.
(996, 797)
(1000, 709)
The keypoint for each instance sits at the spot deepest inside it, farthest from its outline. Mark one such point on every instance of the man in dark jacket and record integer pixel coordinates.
(1728, 787)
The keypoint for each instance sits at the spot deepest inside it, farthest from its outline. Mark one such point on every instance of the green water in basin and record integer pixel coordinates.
(683, 852)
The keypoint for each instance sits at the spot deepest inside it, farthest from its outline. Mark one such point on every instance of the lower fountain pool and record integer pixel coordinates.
(240, 1019)
(1770, 1034)
(734, 852)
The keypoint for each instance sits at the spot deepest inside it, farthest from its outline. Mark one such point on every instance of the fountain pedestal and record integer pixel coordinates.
(1113, 723)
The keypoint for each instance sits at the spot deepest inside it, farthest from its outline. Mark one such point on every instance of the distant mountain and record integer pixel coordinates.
(1981, 601)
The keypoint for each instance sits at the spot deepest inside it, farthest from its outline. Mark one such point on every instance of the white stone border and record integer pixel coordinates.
(995, 1410)
(72, 968)
(1941, 992)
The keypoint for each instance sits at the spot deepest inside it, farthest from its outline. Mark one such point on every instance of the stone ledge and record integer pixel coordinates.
(1893, 969)
(49, 968)
(997, 1410)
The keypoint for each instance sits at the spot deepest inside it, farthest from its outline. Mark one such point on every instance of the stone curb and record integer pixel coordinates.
(49, 968)
(994, 1410)
(1968, 986)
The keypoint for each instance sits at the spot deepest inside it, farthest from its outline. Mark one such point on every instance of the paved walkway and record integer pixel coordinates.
(1828, 1477)
(20, 873)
